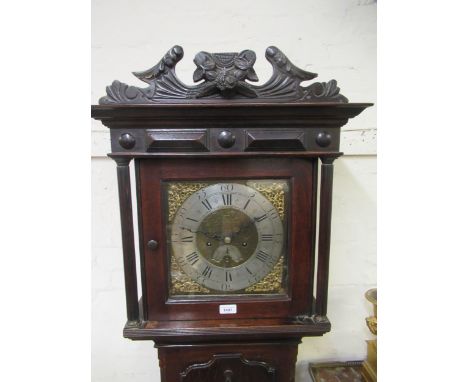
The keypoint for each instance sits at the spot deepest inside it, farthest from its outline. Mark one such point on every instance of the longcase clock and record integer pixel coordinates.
(234, 255)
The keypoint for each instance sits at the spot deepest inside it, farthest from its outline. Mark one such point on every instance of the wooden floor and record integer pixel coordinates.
(336, 372)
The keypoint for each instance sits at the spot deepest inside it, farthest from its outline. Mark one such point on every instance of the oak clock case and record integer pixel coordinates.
(233, 184)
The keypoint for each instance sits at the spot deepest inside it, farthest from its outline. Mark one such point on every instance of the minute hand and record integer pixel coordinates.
(207, 234)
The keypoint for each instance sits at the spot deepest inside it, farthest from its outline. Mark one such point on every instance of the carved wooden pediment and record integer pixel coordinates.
(224, 76)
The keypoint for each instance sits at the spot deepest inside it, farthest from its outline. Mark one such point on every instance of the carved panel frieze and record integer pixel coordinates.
(229, 368)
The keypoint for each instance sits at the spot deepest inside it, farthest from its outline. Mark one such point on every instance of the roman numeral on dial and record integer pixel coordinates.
(273, 214)
(207, 272)
(267, 237)
(207, 204)
(262, 256)
(187, 239)
(260, 218)
(192, 258)
(227, 199)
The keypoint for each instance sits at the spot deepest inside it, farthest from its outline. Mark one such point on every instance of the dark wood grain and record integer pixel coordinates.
(270, 140)
(249, 362)
(181, 140)
(313, 233)
(326, 187)
(165, 332)
(221, 112)
(223, 155)
(128, 246)
(226, 367)
(227, 139)
(143, 303)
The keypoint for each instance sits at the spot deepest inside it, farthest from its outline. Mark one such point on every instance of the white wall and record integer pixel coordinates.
(334, 38)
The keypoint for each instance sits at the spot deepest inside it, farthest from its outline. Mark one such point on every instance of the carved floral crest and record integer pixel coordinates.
(226, 72)
(224, 75)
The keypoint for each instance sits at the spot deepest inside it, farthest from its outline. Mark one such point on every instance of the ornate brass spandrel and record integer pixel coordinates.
(274, 192)
(182, 284)
(271, 283)
(178, 192)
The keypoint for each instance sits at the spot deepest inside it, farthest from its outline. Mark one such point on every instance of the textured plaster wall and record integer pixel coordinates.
(334, 38)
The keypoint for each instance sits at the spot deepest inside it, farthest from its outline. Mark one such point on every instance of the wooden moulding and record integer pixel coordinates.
(177, 140)
(225, 110)
(163, 332)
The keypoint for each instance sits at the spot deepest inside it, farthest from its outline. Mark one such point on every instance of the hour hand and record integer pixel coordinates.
(212, 236)
(207, 234)
(188, 229)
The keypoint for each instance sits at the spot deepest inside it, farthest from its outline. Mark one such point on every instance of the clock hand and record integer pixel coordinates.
(215, 236)
(188, 229)
(207, 234)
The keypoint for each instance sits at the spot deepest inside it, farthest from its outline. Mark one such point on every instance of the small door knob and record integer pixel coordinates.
(152, 244)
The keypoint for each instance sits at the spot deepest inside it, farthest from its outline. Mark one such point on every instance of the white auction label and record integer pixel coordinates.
(228, 309)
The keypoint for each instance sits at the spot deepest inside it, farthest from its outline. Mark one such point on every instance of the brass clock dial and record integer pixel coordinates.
(227, 236)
